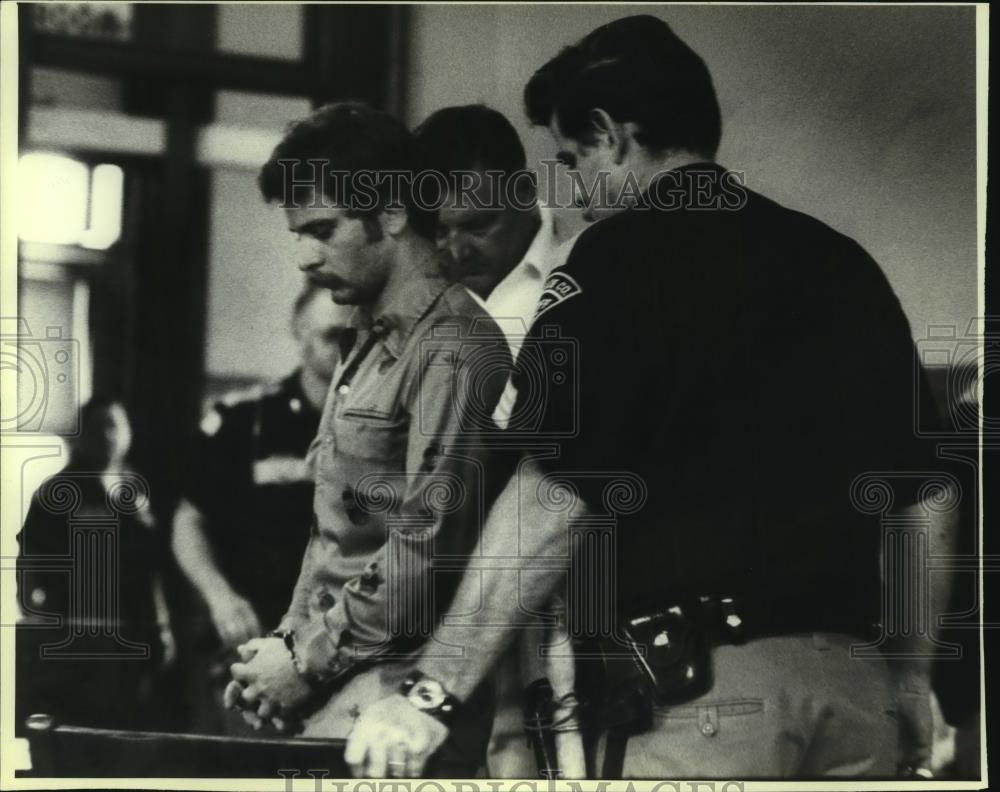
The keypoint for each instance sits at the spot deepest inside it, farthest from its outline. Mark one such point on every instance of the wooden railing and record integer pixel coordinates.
(61, 751)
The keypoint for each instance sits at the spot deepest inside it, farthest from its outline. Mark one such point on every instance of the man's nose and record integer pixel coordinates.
(307, 258)
(456, 249)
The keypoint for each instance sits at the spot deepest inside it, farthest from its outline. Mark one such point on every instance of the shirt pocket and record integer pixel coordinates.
(366, 435)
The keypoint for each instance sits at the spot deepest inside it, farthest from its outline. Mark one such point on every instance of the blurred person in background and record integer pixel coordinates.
(241, 527)
(96, 633)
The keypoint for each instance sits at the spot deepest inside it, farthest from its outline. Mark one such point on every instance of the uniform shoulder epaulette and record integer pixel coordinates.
(228, 404)
(243, 395)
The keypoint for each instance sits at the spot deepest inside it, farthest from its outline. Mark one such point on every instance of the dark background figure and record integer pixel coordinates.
(95, 633)
(241, 528)
(956, 680)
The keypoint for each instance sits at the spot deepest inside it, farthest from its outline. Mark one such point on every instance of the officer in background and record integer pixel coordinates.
(750, 366)
(241, 528)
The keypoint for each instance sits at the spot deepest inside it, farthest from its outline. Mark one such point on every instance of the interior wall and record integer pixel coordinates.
(252, 277)
(253, 282)
(862, 116)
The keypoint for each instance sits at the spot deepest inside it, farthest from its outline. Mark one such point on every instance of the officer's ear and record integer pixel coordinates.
(610, 134)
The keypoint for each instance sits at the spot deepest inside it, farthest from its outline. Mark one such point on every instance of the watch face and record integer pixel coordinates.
(427, 694)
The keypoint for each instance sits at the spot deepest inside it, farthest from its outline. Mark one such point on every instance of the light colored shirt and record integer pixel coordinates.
(513, 301)
(396, 397)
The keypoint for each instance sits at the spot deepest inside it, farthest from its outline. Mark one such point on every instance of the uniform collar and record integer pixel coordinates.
(405, 301)
(679, 182)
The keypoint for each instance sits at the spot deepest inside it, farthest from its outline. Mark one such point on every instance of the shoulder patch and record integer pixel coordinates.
(559, 287)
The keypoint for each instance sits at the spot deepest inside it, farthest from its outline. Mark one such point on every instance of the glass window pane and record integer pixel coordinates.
(270, 31)
(85, 20)
(105, 226)
(259, 111)
(65, 88)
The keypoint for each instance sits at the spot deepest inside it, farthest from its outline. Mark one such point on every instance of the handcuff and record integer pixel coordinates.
(315, 681)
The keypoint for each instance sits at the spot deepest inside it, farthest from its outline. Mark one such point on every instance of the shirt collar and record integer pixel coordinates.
(540, 254)
(405, 300)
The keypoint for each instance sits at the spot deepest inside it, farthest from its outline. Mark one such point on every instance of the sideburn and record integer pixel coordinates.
(373, 229)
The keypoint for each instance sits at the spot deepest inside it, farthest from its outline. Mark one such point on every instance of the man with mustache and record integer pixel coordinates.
(751, 368)
(403, 395)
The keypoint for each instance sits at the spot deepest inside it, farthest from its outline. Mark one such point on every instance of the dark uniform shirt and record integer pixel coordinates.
(748, 362)
(250, 479)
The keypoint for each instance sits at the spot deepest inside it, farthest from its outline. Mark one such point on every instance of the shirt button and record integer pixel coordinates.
(343, 390)
(326, 601)
(708, 728)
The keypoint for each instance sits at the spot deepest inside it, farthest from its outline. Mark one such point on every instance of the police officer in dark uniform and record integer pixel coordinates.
(752, 366)
(242, 526)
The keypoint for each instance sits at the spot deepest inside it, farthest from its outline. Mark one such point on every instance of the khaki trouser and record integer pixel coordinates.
(509, 754)
(789, 707)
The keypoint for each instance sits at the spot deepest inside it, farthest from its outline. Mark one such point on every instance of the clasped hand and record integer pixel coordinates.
(266, 685)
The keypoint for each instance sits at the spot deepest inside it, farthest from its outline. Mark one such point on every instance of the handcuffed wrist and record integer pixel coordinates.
(321, 656)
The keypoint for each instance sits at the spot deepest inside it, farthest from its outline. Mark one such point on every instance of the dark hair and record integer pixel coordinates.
(636, 69)
(87, 449)
(473, 137)
(470, 137)
(346, 138)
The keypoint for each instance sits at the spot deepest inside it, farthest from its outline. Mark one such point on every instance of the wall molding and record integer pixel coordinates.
(218, 145)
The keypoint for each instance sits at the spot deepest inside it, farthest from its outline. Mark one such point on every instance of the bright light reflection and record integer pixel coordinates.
(53, 193)
(52, 198)
(106, 187)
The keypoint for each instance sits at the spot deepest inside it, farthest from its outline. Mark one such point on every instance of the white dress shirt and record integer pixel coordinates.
(513, 301)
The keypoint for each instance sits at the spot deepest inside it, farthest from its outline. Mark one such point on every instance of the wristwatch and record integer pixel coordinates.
(429, 696)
